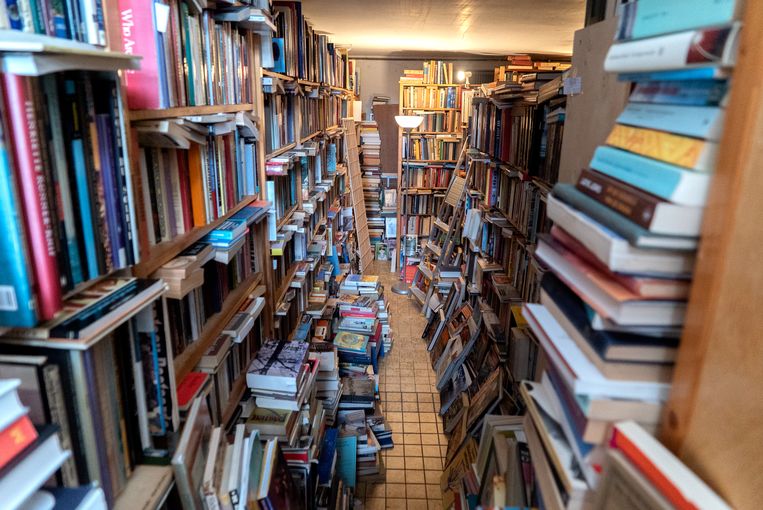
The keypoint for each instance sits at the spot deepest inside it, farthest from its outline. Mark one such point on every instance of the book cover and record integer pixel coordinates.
(683, 151)
(280, 359)
(347, 341)
(667, 181)
(139, 38)
(648, 18)
(708, 47)
(680, 93)
(14, 438)
(704, 122)
(32, 187)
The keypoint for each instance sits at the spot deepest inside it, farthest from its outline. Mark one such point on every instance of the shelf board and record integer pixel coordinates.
(429, 108)
(146, 489)
(285, 284)
(184, 111)
(189, 358)
(286, 217)
(36, 55)
(280, 151)
(431, 161)
(431, 84)
(309, 137)
(309, 83)
(280, 76)
(239, 386)
(162, 253)
(452, 133)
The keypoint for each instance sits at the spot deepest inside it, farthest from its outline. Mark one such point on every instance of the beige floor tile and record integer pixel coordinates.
(428, 417)
(430, 439)
(410, 406)
(394, 463)
(396, 503)
(409, 397)
(416, 504)
(412, 427)
(413, 450)
(393, 406)
(435, 504)
(431, 451)
(416, 491)
(434, 491)
(432, 476)
(429, 428)
(375, 504)
(414, 476)
(375, 490)
(395, 476)
(395, 490)
(432, 463)
(415, 463)
(411, 417)
(411, 438)
(397, 451)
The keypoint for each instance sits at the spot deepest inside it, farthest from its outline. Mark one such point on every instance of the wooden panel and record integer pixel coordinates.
(591, 114)
(365, 254)
(713, 418)
(389, 133)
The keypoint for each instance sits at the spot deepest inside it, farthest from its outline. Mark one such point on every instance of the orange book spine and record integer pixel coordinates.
(675, 149)
(197, 186)
(15, 438)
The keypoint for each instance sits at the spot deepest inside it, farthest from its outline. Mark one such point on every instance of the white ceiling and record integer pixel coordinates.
(399, 27)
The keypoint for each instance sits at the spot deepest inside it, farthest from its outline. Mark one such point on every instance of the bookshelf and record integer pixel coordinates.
(432, 151)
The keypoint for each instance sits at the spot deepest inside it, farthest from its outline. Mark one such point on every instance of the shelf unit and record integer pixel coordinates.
(426, 98)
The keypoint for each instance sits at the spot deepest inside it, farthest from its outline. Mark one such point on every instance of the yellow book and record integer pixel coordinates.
(678, 150)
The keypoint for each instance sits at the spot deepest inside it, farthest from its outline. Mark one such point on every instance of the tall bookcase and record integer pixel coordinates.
(198, 132)
(432, 152)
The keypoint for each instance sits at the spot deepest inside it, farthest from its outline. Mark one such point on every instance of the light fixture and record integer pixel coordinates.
(460, 75)
(408, 123)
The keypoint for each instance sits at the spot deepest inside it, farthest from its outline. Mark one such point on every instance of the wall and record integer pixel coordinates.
(381, 76)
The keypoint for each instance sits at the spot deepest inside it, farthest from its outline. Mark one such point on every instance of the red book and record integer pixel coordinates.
(185, 189)
(189, 387)
(32, 185)
(139, 38)
(17, 436)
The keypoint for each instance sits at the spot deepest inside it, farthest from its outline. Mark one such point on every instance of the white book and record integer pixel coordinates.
(614, 250)
(579, 374)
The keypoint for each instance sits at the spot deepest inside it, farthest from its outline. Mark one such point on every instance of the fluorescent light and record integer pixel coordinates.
(460, 75)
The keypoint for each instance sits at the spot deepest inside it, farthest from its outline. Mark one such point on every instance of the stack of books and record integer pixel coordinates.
(282, 376)
(32, 454)
(328, 382)
(185, 272)
(622, 249)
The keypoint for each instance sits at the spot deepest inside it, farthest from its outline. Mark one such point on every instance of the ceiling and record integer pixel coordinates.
(391, 28)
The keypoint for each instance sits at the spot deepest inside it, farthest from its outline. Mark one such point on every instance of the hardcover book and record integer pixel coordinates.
(277, 365)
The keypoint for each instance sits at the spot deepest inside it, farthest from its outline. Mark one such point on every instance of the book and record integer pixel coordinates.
(704, 122)
(190, 455)
(683, 151)
(648, 211)
(15, 437)
(30, 469)
(681, 93)
(676, 482)
(276, 488)
(703, 47)
(570, 312)
(607, 297)
(667, 181)
(277, 366)
(648, 18)
(577, 371)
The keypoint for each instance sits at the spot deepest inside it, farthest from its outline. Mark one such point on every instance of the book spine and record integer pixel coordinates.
(698, 155)
(704, 122)
(109, 186)
(76, 160)
(139, 38)
(683, 93)
(15, 437)
(33, 191)
(655, 177)
(58, 414)
(696, 48)
(93, 152)
(648, 18)
(197, 187)
(634, 204)
(57, 24)
(61, 178)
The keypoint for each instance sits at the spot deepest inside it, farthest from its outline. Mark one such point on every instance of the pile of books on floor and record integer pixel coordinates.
(329, 384)
(621, 253)
(31, 454)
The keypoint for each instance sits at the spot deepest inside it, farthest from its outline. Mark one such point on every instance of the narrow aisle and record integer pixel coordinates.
(410, 401)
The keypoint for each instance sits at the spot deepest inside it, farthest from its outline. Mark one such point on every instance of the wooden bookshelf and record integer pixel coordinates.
(430, 109)
(283, 220)
(279, 295)
(189, 358)
(280, 76)
(236, 392)
(146, 489)
(185, 111)
(309, 137)
(162, 253)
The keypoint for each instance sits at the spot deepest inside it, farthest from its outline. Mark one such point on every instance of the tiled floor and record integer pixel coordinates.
(410, 403)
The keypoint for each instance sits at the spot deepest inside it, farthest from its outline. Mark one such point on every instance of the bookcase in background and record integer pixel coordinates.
(431, 151)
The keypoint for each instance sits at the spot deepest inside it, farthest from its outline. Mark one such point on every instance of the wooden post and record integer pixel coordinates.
(714, 418)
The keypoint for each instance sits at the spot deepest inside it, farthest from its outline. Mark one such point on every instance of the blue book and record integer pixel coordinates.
(326, 460)
(279, 57)
(696, 121)
(687, 93)
(696, 73)
(17, 302)
(81, 179)
(68, 498)
(669, 182)
(647, 18)
(347, 451)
